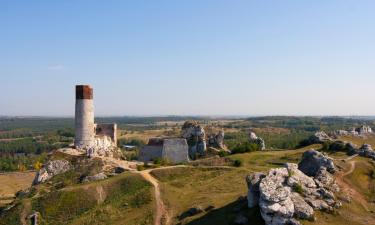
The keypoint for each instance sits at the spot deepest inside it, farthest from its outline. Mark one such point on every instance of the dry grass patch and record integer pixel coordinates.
(186, 187)
(12, 182)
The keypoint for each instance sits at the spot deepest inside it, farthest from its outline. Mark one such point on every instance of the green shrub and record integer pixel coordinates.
(161, 161)
(223, 153)
(140, 167)
(245, 147)
(237, 163)
(334, 146)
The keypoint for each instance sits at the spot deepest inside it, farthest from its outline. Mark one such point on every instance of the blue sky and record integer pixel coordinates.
(196, 57)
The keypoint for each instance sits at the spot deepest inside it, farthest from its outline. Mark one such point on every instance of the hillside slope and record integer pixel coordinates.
(124, 199)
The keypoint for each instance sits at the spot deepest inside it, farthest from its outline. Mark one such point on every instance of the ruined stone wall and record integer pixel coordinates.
(148, 153)
(107, 129)
(84, 117)
(176, 150)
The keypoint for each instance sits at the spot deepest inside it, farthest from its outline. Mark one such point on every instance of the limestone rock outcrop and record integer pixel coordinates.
(99, 176)
(253, 182)
(313, 160)
(367, 151)
(359, 131)
(217, 140)
(51, 169)
(351, 148)
(103, 146)
(320, 137)
(364, 130)
(195, 136)
(287, 194)
(253, 138)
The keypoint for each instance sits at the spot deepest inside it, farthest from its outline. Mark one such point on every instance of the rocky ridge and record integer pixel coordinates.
(287, 194)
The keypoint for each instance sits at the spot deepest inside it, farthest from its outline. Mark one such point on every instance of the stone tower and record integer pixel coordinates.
(84, 117)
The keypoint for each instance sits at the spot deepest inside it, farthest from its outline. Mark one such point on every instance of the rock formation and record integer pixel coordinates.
(313, 160)
(195, 136)
(367, 151)
(320, 137)
(51, 169)
(362, 130)
(103, 146)
(253, 181)
(99, 176)
(253, 138)
(217, 140)
(286, 194)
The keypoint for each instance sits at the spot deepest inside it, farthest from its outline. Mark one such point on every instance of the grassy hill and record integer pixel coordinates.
(218, 191)
(183, 188)
(124, 199)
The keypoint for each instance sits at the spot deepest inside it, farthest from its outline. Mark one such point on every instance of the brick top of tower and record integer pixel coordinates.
(84, 92)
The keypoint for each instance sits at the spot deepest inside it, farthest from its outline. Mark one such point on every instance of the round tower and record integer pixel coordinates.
(84, 117)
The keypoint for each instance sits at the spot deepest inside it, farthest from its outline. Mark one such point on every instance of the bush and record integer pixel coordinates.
(161, 161)
(237, 163)
(245, 147)
(223, 153)
(334, 146)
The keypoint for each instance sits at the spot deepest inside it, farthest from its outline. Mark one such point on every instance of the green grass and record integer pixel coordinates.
(186, 187)
(183, 188)
(262, 161)
(363, 179)
(124, 199)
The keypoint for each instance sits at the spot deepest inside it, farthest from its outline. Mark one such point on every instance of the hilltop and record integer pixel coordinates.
(209, 190)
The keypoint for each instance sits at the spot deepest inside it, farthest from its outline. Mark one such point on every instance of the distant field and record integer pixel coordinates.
(368, 139)
(146, 134)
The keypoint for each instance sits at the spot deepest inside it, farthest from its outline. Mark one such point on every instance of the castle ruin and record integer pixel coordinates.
(173, 149)
(95, 139)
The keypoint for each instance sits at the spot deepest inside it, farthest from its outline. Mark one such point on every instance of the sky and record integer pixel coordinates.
(188, 57)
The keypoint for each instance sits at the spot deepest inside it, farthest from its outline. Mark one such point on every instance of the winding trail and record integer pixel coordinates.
(161, 217)
(348, 189)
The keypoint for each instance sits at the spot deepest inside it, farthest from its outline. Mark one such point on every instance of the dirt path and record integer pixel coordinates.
(162, 217)
(354, 194)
